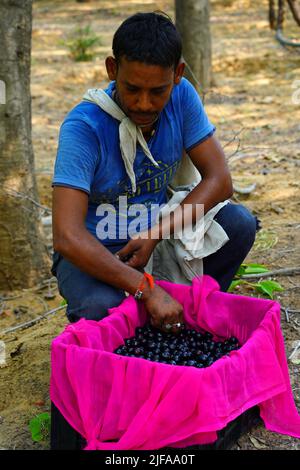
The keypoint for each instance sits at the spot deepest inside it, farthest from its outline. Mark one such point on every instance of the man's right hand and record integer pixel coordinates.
(72, 240)
(163, 309)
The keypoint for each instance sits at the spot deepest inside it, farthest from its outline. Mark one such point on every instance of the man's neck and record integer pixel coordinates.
(149, 131)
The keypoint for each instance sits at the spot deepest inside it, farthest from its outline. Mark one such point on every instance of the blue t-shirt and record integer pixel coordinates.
(89, 159)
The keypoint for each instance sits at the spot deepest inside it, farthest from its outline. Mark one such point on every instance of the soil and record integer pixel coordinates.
(257, 123)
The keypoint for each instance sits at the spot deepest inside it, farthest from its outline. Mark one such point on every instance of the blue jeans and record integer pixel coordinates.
(90, 298)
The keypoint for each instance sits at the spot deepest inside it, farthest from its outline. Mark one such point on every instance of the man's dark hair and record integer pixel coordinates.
(150, 38)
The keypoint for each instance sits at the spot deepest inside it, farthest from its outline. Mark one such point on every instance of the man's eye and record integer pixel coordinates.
(132, 90)
(159, 91)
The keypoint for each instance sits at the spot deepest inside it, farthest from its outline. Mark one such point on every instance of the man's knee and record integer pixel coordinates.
(94, 306)
(239, 224)
(86, 296)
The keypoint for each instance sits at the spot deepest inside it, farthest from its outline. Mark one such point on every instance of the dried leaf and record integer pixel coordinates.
(2, 354)
(295, 355)
(256, 444)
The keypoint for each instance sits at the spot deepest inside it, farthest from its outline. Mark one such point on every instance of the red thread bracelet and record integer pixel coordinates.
(141, 286)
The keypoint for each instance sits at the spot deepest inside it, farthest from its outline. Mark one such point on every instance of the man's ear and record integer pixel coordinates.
(179, 72)
(111, 67)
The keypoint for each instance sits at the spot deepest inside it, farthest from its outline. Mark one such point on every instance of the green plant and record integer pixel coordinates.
(268, 287)
(40, 427)
(264, 287)
(81, 42)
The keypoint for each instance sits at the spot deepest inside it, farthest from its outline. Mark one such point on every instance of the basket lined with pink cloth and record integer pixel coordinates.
(126, 403)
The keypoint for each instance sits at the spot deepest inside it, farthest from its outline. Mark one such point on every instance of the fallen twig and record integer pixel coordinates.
(287, 224)
(286, 311)
(32, 322)
(2, 306)
(234, 157)
(229, 157)
(276, 272)
(234, 137)
(17, 194)
(292, 282)
(295, 350)
(292, 288)
(43, 302)
(31, 290)
(11, 298)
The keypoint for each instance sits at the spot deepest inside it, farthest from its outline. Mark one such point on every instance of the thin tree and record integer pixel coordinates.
(295, 9)
(23, 256)
(193, 22)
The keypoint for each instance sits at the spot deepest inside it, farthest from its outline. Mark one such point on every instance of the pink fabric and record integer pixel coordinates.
(121, 403)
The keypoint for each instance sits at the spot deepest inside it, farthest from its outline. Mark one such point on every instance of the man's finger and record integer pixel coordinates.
(133, 261)
(155, 323)
(124, 253)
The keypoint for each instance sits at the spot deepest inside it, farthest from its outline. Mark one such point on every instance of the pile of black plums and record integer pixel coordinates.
(186, 348)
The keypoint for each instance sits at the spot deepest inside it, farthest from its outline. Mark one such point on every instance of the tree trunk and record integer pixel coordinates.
(272, 16)
(23, 255)
(192, 21)
(295, 9)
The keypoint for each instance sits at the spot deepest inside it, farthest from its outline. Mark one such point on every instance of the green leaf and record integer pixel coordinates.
(40, 427)
(268, 287)
(234, 284)
(241, 270)
(253, 268)
(63, 302)
(81, 43)
(35, 429)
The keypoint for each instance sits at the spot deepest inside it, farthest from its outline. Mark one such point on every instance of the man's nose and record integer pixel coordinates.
(144, 103)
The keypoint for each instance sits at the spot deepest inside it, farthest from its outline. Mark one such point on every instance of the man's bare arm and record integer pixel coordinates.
(215, 187)
(73, 241)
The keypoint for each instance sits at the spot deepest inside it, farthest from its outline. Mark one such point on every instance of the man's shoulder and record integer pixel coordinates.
(85, 111)
(185, 86)
(184, 92)
(89, 111)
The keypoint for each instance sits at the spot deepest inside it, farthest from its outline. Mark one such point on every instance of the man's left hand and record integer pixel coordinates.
(136, 253)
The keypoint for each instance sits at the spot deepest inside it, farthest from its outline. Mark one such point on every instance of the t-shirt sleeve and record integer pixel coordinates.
(78, 154)
(196, 125)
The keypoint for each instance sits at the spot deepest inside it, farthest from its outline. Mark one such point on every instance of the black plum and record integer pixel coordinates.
(188, 348)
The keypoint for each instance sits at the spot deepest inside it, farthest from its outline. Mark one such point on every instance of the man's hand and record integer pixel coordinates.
(160, 306)
(163, 310)
(136, 253)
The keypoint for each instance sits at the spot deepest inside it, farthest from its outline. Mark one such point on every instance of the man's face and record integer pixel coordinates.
(143, 90)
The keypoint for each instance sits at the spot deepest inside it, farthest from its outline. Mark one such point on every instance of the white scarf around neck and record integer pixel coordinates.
(129, 133)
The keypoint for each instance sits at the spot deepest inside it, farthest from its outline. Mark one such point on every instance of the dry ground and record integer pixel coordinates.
(258, 124)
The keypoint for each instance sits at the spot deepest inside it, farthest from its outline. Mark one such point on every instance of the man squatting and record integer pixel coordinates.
(147, 83)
